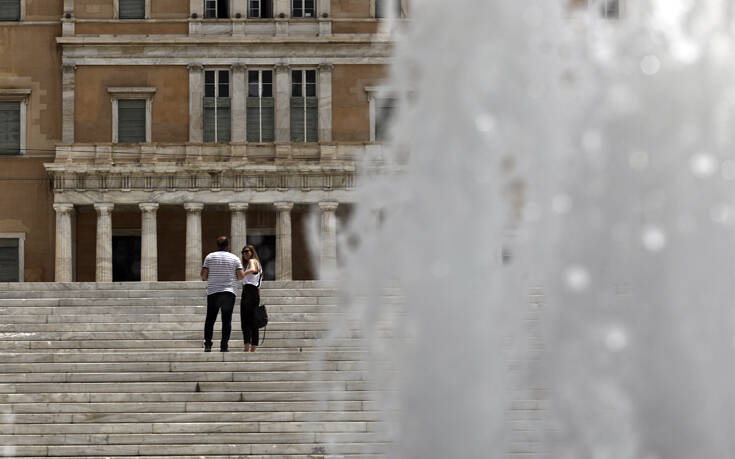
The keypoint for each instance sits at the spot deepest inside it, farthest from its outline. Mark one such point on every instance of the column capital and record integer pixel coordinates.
(328, 206)
(326, 67)
(193, 206)
(282, 67)
(283, 206)
(63, 207)
(148, 206)
(238, 206)
(195, 67)
(239, 67)
(103, 208)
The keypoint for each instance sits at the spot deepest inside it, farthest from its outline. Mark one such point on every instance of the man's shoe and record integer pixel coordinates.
(224, 350)
(207, 348)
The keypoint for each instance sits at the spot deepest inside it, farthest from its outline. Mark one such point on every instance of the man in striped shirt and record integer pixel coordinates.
(221, 270)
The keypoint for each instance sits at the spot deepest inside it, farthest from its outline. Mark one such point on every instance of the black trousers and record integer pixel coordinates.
(249, 301)
(215, 302)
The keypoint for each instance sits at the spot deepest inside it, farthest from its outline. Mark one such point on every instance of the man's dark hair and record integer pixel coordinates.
(222, 242)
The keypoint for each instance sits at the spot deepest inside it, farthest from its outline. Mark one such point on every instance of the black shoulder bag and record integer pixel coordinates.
(260, 317)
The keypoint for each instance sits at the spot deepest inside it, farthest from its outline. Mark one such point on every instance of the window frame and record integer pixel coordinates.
(303, 71)
(260, 9)
(146, 93)
(374, 10)
(22, 14)
(21, 251)
(230, 85)
(315, 11)
(602, 8)
(376, 93)
(21, 95)
(260, 71)
(116, 11)
(217, 2)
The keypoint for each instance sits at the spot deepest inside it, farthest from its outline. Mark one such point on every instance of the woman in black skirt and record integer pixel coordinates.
(250, 298)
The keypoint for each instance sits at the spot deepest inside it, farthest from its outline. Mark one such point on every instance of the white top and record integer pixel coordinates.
(222, 269)
(253, 279)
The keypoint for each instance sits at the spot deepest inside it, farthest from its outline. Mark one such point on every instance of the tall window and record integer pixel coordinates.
(260, 8)
(610, 9)
(387, 8)
(131, 122)
(260, 120)
(131, 9)
(384, 111)
(303, 8)
(304, 106)
(10, 127)
(10, 10)
(216, 9)
(10, 260)
(217, 106)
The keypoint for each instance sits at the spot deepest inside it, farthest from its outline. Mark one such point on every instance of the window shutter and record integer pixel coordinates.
(9, 128)
(9, 10)
(223, 119)
(131, 120)
(312, 117)
(9, 260)
(253, 119)
(297, 119)
(132, 9)
(209, 119)
(268, 119)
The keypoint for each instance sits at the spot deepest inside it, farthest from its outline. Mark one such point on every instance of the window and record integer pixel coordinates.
(304, 106)
(610, 9)
(303, 8)
(216, 9)
(260, 8)
(387, 8)
(131, 114)
(131, 9)
(9, 128)
(260, 119)
(384, 111)
(217, 106)
(10, 10)
(11, 257)
(13, 104)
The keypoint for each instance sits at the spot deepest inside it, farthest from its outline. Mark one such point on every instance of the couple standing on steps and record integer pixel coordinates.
(222, 270)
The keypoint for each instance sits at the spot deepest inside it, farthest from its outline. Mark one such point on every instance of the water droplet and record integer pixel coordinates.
(703, 164)
(561, 204)
(577, 278)
(650, 65)
(654, 238)
(638, 160)
(485, 123)
(616, 339)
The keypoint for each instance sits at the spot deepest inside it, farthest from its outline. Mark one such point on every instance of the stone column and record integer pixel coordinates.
(239, 92)
(148, 242)
(196, 100)
(104, 241)
(67, 97)
(63, 266)
(193, 239)
(328, 259)
(283, 103)
(284, 270)
(325, 102)
(238, 226)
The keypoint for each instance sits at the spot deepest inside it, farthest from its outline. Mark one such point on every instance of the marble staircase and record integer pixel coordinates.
(114, 370)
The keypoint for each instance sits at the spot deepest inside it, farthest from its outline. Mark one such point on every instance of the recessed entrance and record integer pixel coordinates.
(125, 258)
(266, 248)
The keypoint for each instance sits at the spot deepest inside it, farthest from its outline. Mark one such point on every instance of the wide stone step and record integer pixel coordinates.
(264, 354)
(188, 427)
(143, 367)
(161, 285)
(182, 376)
(152, 302)
(237, 450)
(167, 326)
(184, 386)
(154, 309)
(239, 456)
(127, 318)
(274, 334)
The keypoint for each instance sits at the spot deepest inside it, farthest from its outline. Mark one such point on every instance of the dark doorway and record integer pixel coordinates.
(125, 258)
(266, 248)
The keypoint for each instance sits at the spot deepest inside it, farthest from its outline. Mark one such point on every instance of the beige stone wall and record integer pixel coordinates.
(93, 108)
(350, 8)
(25, 196)
(44, 10)
(137, 28)
(355, 27)
(164, 9)
(350, 107)
(93, 9)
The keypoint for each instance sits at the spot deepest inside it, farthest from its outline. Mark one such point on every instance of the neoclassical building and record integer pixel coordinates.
(134, 132)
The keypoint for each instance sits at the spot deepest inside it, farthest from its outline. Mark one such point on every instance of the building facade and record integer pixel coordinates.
(134, 132)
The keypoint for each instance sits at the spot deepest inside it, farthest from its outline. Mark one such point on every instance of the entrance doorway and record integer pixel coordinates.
(125, 258)
(266, 248)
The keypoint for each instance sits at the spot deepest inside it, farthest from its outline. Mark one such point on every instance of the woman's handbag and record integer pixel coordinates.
(260, 319)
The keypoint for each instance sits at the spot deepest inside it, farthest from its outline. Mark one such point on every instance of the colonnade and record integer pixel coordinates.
(149, 241)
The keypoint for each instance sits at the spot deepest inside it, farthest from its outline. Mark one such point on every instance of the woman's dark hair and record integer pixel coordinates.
(254, 252)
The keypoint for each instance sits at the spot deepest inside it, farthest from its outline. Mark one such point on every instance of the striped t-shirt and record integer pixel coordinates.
(222, 269)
